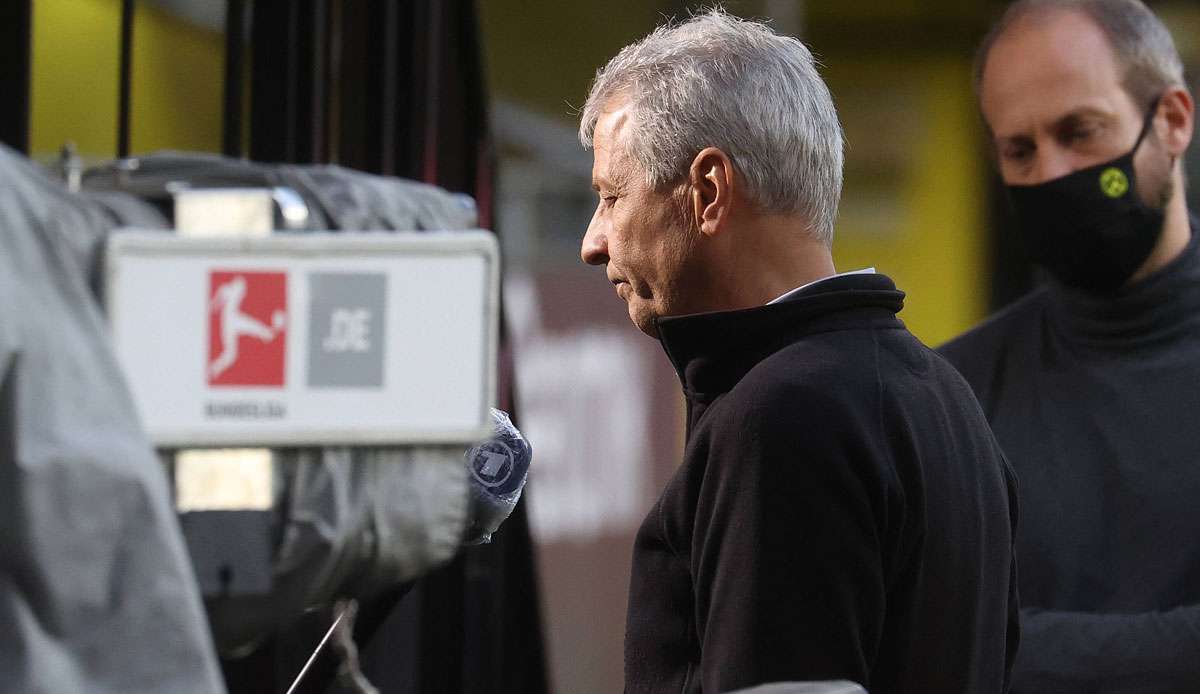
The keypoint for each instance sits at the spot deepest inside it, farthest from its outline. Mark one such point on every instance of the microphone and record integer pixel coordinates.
(498, 468)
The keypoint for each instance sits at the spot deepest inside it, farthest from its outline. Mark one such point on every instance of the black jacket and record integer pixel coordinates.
(842, 511)
(1094, 400)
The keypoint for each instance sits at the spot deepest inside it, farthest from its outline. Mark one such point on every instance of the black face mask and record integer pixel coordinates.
(1090, 228)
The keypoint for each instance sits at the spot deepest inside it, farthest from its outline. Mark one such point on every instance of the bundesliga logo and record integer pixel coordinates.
(247, 328)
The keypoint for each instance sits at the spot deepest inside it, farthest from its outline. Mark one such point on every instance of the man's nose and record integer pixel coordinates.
(1052, 163)
(594, 250)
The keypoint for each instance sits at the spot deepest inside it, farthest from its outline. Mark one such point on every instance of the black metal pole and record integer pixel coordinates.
(388, 71)
(319, 80)
(123, 104)
(235, 35)
(15, 27)
(433, 95)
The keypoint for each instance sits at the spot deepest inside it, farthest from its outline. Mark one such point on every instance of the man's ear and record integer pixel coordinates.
(712, 187)
(1179, 111)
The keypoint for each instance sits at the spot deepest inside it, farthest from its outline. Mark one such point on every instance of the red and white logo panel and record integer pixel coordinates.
(247, 328)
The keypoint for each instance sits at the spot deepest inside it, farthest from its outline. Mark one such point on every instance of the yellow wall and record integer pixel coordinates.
(933, 244)
(543, 54)
(176, 90)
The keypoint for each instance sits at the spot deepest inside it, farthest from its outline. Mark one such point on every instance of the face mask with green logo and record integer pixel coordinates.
(1090, 228)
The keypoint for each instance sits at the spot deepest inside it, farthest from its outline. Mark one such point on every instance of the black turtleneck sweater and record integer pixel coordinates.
(842, 510)
(1094, 400)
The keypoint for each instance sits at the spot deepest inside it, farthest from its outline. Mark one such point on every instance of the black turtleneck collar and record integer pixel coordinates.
(1149, 312)
(711, 352)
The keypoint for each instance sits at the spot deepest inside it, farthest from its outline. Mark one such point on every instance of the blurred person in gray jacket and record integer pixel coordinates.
(96, 590)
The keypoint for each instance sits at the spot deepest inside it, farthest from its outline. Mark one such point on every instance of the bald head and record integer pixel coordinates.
(1145, 55)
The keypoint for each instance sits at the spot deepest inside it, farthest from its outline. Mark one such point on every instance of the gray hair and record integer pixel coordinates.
(719, 81)
(1143, 47)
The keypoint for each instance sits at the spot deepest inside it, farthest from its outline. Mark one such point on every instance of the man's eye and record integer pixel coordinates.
(1080, 134)
(1017, 153)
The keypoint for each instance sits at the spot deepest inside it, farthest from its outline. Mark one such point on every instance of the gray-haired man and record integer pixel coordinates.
(1090, 382)
(842, 511)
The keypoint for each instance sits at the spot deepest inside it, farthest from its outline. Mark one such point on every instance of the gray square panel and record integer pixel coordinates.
(346, 329)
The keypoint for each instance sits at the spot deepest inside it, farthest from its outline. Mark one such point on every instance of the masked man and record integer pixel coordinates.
(1092, 382)
(842, 511)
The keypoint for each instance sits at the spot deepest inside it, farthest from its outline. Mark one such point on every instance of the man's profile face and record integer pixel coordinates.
(1051, 94)
(637, 233)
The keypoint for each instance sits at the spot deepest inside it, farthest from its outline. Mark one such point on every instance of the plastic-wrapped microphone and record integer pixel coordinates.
(498, 468)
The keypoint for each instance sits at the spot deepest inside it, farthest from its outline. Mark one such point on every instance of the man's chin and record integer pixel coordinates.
(644, 320)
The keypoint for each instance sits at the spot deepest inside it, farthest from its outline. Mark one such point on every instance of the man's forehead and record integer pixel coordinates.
(610, 128)
(1046, 66)
(611, 124)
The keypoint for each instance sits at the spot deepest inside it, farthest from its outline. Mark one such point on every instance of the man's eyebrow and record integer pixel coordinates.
(600, 181)
(1019, 137)
(1067, 119)
(1081, 114)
